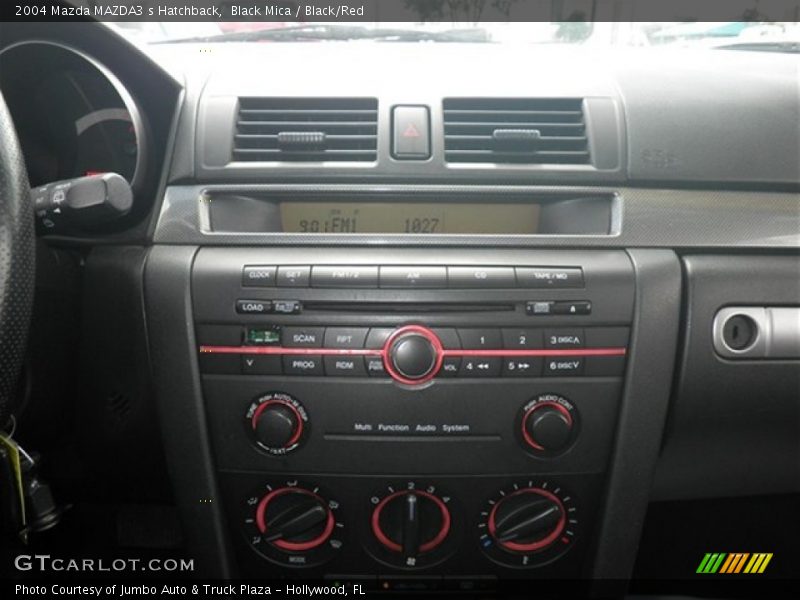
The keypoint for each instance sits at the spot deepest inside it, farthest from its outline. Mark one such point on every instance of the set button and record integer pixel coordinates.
(294, 276)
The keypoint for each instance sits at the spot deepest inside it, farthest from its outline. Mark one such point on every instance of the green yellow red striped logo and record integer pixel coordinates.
(734, 562)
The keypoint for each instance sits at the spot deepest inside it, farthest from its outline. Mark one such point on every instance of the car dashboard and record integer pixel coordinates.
(430, 317)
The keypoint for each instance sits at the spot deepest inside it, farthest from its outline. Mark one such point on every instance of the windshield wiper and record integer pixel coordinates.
(787, 47)
(307, 33)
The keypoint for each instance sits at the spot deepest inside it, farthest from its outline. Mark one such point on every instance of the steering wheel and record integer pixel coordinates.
(16, 261)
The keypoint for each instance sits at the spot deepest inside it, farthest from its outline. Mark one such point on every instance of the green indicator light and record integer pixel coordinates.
(264, 337)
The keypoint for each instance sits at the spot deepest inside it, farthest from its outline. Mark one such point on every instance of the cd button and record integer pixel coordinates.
(345, 337)
(307, 364)
(303, 337)
(563, 339)
(480, 339)
(345, 366)
(481, 277)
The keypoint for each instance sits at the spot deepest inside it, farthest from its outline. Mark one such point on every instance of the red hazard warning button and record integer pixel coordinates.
(411, 132)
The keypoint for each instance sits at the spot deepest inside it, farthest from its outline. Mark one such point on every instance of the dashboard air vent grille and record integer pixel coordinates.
(515, 130)
(306, 129)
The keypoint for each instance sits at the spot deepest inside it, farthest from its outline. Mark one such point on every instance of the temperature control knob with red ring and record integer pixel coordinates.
(293, 524)
(528, 525)
(548, 424)
(411, 527)
(277, 422)
(527, 520)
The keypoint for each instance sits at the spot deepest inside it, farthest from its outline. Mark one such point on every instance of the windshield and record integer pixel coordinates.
(574, 31)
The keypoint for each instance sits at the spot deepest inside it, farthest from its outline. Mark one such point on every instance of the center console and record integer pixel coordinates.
(374, 410)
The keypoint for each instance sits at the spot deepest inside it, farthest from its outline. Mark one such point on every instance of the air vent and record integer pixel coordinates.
(515, 130)
(306, 129)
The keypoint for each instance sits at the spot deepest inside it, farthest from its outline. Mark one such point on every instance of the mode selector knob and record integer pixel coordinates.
(277, 422)
(413, 354)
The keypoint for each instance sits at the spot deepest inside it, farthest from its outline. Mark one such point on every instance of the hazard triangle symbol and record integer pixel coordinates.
(411, 131)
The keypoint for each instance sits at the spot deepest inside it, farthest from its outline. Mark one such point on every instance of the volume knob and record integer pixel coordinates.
(413, 354)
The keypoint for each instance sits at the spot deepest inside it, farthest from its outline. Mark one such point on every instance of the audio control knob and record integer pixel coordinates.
(548, 424)
(277, 422)
(413, 355)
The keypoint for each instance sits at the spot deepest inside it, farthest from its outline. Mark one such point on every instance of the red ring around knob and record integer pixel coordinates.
(527, 436)
(294, 546)
(427, 546)
(424, 332)
(538, 544)
(298, 430)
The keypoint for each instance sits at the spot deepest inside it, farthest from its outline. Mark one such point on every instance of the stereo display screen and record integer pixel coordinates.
(409, 217)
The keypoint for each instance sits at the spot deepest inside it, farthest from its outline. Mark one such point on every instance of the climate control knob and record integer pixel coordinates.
(277, 422)
(294, 519)
(413, 355)
(530, 519)
(528, 525)
(411, 527)
(293, 524)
